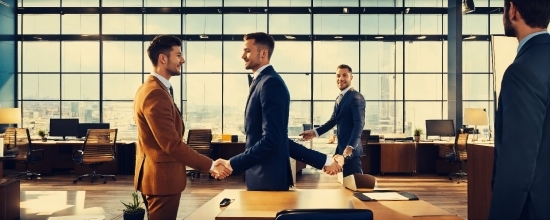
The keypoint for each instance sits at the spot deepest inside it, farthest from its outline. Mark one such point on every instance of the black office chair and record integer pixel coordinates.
(325, 214)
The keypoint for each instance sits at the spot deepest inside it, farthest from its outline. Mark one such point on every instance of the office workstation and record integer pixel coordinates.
(423, 76)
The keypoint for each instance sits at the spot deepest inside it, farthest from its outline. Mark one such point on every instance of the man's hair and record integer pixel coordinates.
(262, 41)
(536, 13)
(344, 66)
(161, 44)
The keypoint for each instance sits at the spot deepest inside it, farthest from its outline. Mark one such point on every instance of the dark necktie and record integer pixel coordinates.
(249, 80)
(171, 92)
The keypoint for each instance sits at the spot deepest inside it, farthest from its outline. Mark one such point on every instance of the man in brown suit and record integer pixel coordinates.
(161, 154)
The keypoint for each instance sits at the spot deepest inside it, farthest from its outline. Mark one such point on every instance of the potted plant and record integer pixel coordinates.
(42, 134)
(417, 133)
(133, 211)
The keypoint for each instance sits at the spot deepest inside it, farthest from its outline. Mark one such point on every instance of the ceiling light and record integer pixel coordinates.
(290, 37)
(345, 10)
(379, 37)
(337, 37)
(421, 37)
(407, 10)
(468, 6)
(471, 37)
(204, 36)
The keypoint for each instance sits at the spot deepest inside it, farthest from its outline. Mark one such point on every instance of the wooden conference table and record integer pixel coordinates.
(266, 204)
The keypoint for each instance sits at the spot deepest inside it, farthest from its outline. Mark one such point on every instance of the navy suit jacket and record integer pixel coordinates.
(266, 158)
(349, 118)
(521, 172)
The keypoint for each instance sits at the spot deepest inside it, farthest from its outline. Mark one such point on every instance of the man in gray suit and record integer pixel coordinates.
(521, 172)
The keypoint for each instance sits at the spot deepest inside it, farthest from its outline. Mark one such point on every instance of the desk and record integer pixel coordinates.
(266, 204)
(480, 159)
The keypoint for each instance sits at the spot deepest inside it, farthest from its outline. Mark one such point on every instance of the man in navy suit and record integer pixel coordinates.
(349, 119)
(521, 171)
(266, 158)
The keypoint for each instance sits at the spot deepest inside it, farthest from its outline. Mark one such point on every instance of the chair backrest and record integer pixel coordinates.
(199, 140)
(325, 214)
(18, 138)
(365, 137)
(461, 147)
(99, 145)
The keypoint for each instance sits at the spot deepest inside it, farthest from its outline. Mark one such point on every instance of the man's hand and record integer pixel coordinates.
(348, 152)
(308, 135)
(339, 159)
(335, 167)
(222, 169)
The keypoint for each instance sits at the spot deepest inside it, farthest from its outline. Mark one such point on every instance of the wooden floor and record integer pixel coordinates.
(437, 190)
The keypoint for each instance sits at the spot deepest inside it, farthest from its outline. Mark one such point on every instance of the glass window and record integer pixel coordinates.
(204, 102)
(36, 114)
(475, 24)
(384, 117)
(328, 3)
(120, 115)
(475, 56)
(476, 87)
(120, 86)
(292, 3)
(122, 24)
(325, 88)
(235, 95)
(121, 56)
(482, 3)
(381, 24)
(329, 54)
(381, 57)
(497, 26)
(202, 24)
(416, 114)
(425, 86)
(201, 3)
(291, 57)
(80, 56)
(425, 3)
(247, 3)
(299, 86)
(19, 24)
(41, 86)
(423, 24)
(322, 111)
(232, 53)
(19, 51)
(381, 3)
(162, 24)
(79, 3)
(423, 56)
(382, 86)
(80, 24)
(79, 86)
(86, 112)
(332, 24)
(244, 23)
(289, 24)
(41, 24)
(19, 86)
(40, 3)
(162, 3)
(299, 114)
(495, 3)
(122, 3)
(41, 56)
(204, 57)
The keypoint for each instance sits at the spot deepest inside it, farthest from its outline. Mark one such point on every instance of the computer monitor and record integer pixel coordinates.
(64, 127)
(83, 127)
(441, 127)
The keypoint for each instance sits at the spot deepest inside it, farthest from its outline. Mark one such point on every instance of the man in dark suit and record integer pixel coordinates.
(349, 119)
(521, 172)
(266, 158)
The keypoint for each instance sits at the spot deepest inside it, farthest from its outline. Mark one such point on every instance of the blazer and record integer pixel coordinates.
(349, 118)
(161, 154)
(521, 171)
(266, 157)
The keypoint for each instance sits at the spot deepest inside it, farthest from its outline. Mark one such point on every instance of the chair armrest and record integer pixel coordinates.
(77, 151)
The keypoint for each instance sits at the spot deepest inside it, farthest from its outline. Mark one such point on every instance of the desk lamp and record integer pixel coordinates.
(475, 116)
(10, 116)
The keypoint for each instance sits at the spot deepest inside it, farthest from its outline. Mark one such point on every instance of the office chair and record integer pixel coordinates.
(19, 138)
(98, 148)
(199, 140)
(325, 214)
(460, 155)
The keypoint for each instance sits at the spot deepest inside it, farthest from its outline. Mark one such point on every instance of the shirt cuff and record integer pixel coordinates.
(316, 134)
(212, 167)
(329, 161)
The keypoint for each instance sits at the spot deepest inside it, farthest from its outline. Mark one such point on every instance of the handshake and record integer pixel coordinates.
(222, 169)
(336, 166)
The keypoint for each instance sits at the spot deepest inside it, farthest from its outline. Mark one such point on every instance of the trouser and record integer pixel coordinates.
(163, 207)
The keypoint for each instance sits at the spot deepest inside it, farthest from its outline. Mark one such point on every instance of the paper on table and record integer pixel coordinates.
(78, 217)
(380, 196)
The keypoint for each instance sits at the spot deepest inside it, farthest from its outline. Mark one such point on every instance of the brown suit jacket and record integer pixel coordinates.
(161, 154)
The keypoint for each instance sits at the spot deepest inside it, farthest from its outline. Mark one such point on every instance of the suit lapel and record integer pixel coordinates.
(343, 100)
(254, 84)
(153, 78)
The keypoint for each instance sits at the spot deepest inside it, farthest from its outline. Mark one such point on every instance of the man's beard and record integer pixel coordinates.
(171, 71)
(509, 29)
